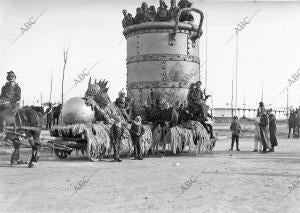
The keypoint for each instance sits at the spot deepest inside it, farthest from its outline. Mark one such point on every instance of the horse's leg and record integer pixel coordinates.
(30, 165)
(35, 149)
(15, 156)
(293, 132)
(289, 131)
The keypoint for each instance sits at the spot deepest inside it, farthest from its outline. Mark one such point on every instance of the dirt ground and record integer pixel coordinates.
(218, 182)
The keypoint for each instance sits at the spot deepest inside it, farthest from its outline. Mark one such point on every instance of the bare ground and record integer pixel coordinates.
(219, 182)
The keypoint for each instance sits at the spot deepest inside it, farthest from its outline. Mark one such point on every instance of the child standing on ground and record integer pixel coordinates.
(235, 129)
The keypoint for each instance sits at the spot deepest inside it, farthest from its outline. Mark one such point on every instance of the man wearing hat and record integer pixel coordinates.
(196, 100)
(10, 92)
(123, 103)
(116, 134)
(136, 132)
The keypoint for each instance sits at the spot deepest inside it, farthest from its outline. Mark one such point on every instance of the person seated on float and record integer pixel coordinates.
(139, 16)
(152, 13)
(145, 12)
(185, 16)
(10, 93)
(196, 101)
(167, 112)
(173, 11)
(124, 21)
(162, 12)
(123, 103)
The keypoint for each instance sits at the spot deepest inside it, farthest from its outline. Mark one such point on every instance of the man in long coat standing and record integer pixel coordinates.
(136, 132)
(264, 124)
(272, 129)
(116, 133)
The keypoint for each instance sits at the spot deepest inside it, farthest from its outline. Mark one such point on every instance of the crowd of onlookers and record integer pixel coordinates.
(265, 138)
(161, 13)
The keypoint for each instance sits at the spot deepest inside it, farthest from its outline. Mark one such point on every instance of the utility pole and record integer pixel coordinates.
(287, 103)
(51, 84)
(206, 53)
(236, 72)
(262, 92)
(244, 105)
(232, 98)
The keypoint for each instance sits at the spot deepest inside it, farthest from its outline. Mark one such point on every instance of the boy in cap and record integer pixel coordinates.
(136, 132)
(235, 130)
(116, 133)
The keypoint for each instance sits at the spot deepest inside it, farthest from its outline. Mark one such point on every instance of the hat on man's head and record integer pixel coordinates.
(11, 72)
(198, 82)
(117, 119)
(122, 93)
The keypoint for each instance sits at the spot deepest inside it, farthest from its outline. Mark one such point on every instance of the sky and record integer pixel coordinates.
(268, 48)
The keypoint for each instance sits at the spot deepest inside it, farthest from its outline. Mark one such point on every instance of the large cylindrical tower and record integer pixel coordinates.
(162, 59)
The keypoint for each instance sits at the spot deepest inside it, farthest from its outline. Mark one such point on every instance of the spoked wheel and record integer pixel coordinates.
(62, 154)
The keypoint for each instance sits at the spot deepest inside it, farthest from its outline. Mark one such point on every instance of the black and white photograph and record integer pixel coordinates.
(145, 106)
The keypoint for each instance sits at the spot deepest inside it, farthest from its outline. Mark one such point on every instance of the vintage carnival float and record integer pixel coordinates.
(162, 61)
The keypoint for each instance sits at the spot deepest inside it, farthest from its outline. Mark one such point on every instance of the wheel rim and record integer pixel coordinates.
(61, 153)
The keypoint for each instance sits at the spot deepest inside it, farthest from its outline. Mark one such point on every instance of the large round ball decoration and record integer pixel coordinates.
(76, 111)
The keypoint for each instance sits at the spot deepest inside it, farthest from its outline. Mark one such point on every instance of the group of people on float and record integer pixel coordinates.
(265, 138)
(162, 114)
(162, 13)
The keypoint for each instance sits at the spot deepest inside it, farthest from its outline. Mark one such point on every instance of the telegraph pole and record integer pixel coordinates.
(287, 103)
(236, 72)
(232, 98)
(262, 92)
(206, 53)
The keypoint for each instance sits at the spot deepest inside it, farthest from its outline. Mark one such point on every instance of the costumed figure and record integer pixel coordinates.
(145, 12)
(116, 133)
(123, 103)
(162, 12)
(139, 16)
(136, 132)
(127, 20)
(185, 16)
(173, 11)
(152, 13)
(196, 102)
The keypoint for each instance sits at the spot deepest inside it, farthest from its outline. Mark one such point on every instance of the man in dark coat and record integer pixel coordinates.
(116, 134)
(10, 92)
(196, 101)
(123, 103)
(263, 125)
(49, 115)
(272, 129)
(136, 132)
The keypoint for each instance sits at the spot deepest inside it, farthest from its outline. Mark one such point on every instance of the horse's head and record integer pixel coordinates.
(98, 92)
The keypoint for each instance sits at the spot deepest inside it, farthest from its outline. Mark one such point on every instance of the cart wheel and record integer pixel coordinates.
(92, 153)
(62, 154)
